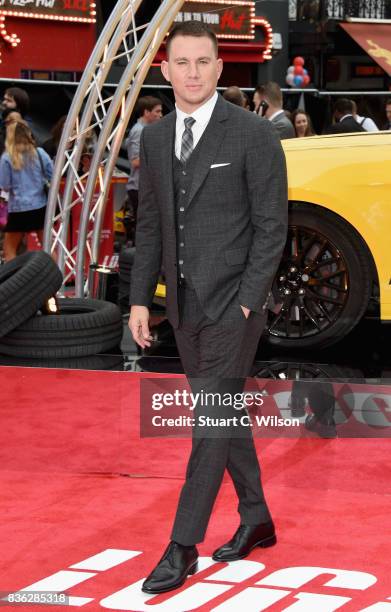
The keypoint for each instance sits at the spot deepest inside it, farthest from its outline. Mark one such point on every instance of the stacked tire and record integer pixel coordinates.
(81, 327)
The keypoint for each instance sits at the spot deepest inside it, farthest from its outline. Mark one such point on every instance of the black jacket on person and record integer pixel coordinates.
(347, 125)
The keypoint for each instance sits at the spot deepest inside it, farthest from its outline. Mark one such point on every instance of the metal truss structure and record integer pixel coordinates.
(108, 117)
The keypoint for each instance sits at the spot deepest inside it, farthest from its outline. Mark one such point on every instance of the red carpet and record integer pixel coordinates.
(67, 436)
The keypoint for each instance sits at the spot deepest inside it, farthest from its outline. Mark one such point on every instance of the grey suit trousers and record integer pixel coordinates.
(217, 356)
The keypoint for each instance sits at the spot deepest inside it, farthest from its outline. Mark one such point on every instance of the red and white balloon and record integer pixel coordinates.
(297, 75)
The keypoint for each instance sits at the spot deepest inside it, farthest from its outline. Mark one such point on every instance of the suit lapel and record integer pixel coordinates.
(167, 145)
(208, 146)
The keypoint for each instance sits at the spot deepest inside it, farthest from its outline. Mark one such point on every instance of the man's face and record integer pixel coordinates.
(9, 101)
(193, 70)
(388, 112)
(154, 115)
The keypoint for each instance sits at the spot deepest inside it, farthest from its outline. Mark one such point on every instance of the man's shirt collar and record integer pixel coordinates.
(346, 116)
(203, 114)
(276, 114)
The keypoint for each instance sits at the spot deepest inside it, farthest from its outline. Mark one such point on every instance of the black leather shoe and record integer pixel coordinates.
(245, 539)
(172, 570)
(325, 427)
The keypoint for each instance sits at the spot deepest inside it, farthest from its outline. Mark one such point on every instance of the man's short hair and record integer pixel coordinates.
(191, 28)
(147, 103)
(234, 95)
(344, 106)
(387, 102)
(272, 92)
(21, 98)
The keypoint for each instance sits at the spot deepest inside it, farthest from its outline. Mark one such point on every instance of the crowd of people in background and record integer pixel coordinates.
(25, 171)
(149, 110)
(268, 102)
(25, 168)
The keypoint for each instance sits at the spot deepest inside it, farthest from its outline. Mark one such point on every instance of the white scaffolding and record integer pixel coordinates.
(108, 117)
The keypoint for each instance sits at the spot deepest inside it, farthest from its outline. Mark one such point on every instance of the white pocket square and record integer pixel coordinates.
(220, 165)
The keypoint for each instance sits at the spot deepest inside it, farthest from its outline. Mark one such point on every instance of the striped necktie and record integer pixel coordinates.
(187, 140)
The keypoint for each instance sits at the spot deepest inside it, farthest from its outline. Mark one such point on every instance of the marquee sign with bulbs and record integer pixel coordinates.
(230, 20)
(227, 19)
(81, 11)
(76, 11)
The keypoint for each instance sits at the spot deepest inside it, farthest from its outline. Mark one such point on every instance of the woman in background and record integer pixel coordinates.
(302, 123)
(24, 170)
(9, 116)
(51, 145)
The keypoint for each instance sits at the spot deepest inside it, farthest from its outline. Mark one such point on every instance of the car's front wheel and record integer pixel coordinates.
(323, 284)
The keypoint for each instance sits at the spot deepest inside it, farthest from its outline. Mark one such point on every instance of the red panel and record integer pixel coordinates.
(375, 39)
(46, 45)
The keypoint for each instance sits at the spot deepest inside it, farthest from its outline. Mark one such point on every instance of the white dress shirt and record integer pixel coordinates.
(279, 112)
(202, 117)
(367, 123)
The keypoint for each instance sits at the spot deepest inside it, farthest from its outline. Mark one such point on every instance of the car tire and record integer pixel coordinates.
(81, 327)
(26, 282)
(324, 282)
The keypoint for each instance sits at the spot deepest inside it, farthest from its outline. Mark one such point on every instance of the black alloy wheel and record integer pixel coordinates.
(323, 284)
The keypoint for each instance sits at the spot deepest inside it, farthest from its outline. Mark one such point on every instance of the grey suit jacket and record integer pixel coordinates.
(235, 219)
(283, 126)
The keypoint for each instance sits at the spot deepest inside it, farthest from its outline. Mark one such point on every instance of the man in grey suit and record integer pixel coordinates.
(268, 103)
(213, 211)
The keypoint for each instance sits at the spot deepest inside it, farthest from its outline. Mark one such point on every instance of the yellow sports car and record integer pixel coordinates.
(337, 259)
